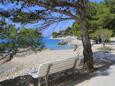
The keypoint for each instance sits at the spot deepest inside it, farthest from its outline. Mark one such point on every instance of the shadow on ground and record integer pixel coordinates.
(112, 42)
(103, 61)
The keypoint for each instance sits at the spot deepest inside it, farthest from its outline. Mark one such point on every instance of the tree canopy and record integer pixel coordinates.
(15, 40)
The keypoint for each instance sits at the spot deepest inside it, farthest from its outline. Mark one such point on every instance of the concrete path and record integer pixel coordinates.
(105, 78)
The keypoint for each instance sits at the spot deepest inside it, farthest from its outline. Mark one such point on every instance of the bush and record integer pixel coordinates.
(103, 34)
(25, 38)
(55, 34)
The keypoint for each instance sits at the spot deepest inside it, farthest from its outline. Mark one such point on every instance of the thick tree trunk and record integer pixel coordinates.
(87, 51)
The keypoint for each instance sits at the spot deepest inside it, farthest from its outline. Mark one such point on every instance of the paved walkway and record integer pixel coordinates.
(106, 78)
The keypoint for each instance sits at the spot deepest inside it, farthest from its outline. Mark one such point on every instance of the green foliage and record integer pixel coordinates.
(111, 5)
(74, 30)
(29, 38)
(104, 34)
(9, 32)
(15, 39)
(98, 19)
(91, 10)
(102, 18)
(55, 34)
(26, 17)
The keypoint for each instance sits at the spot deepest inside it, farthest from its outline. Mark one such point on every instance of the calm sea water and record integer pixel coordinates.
(53, 44)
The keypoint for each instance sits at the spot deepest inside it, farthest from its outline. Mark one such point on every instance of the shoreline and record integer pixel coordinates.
(62, 38)
(58, 38)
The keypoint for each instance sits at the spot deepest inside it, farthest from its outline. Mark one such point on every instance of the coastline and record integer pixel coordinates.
(69, 40)
(58, 38)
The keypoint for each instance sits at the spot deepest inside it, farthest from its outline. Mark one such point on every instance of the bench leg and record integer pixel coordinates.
(39, 82)
(46, 80)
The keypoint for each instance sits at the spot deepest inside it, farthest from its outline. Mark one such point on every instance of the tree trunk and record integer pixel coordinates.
(87, 51)
(103, 42)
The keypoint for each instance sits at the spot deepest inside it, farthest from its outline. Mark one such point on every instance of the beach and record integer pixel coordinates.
(25, 64)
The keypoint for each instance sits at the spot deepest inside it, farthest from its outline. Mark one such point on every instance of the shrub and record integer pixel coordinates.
(17, 39)
(103, 34)
(55, 34)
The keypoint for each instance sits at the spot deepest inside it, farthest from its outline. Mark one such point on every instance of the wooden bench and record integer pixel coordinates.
(46, 69)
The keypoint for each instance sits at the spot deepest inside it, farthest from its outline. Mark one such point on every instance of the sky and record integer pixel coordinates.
(95, 0)
(52, 28)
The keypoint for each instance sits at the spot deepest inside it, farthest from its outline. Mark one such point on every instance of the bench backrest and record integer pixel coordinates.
(56, 66)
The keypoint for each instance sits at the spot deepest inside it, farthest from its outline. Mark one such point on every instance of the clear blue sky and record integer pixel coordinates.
(55, 27)
(95, 0)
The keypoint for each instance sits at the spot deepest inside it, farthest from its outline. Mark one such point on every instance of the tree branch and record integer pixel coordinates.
(48, 23)
(68, 13)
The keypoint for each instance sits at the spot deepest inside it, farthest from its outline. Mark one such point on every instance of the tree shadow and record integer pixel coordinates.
(103, 61)
(112, 42)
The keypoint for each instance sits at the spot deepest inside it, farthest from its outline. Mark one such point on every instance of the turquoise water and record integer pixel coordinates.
(53, 44)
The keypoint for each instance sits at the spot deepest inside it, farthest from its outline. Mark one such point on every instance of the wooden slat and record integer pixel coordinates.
(57, 66)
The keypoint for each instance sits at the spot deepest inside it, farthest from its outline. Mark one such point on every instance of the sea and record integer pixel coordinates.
(51, 44)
